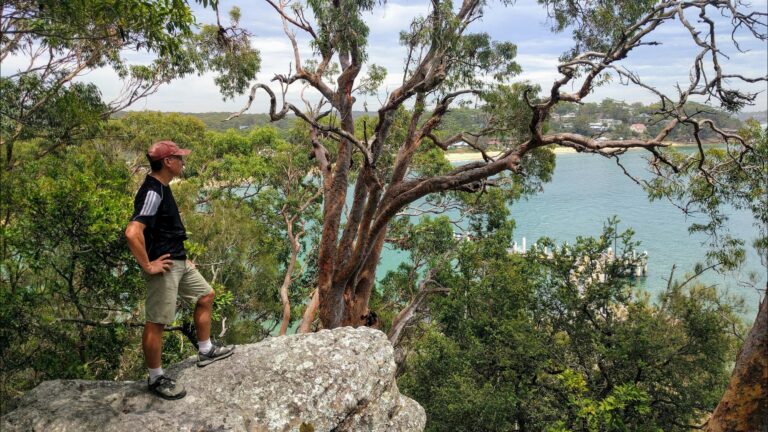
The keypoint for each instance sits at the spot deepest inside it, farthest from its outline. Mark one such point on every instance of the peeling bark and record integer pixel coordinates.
(744, 406)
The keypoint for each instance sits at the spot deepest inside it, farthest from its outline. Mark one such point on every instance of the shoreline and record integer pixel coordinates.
(477, 156)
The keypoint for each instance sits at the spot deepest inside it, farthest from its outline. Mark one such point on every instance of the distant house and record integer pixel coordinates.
(244, 127)
(568, 116)
(609, 122)
(604, 124)
(598, 126)
(458, 145)
(638, 128)
(643, 117)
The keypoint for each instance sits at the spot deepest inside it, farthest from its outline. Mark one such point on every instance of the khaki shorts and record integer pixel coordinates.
(182, 280)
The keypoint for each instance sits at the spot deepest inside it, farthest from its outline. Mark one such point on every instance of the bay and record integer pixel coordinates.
(586, 190)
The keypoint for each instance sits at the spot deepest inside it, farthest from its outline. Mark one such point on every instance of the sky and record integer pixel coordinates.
(525, 24)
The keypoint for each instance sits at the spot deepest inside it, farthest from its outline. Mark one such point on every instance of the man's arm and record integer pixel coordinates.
(134, 233)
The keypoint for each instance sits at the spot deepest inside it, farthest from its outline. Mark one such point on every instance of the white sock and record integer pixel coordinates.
(204, 346)
(155, 373)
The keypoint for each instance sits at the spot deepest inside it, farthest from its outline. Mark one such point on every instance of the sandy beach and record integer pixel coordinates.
(463, 156)
(473, 156)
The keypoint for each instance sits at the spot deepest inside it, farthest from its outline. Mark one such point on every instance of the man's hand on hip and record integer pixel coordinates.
(160, 265)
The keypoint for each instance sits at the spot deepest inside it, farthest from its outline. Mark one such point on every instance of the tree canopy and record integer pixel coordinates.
(446, 63)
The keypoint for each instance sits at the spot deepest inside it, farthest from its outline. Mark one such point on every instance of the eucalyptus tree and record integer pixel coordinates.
(297, 204)
(273, 180)
(446, 63)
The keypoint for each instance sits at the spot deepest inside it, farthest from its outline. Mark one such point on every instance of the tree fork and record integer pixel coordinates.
(361, 285)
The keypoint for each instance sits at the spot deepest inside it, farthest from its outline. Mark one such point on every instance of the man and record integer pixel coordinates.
(156, 238)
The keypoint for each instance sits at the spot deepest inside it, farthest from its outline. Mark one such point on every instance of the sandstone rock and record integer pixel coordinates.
(342, 379)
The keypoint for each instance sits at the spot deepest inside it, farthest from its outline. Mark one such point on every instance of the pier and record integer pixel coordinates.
(635, 265)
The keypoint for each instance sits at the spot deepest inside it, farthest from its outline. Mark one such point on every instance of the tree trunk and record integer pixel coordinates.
(295, 249)
(331, 295)
(362, 285)
(744, 406)
(309, 314)
(284, 291)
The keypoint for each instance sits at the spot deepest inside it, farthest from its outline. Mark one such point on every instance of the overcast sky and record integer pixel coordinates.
(524, 24)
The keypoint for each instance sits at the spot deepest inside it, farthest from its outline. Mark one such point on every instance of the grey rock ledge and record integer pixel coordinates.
(341, 380)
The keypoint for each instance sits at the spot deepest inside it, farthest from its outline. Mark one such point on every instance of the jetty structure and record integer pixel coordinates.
(635, 265)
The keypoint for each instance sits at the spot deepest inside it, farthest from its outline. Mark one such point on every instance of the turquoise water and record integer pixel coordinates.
(586, 190)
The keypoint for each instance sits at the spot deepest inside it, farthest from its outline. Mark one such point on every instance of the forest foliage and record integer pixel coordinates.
(495, 341)
(510, 330)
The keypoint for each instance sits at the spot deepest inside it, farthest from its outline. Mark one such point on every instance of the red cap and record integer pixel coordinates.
(163, 149)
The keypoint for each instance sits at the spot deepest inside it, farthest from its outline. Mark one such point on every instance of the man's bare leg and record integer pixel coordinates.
(202, 316)
(208, 352)
(152, 343)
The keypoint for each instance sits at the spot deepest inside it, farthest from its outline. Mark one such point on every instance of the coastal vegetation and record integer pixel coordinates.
(289, 223)
(519, 343)
(618, 117)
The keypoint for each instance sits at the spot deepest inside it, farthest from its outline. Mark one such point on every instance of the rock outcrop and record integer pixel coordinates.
(342, 380)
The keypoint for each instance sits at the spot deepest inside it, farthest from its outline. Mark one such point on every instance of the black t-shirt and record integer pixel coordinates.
(155, 207)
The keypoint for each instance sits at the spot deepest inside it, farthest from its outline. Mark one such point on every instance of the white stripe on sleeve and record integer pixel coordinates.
(151, 203)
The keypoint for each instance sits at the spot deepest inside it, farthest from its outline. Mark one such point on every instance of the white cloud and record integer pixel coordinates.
(393, 17)
(12, 64)
(537, 61)
(524, 24)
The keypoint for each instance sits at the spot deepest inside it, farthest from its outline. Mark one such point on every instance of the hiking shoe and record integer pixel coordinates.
(216, 353)
(167, 388)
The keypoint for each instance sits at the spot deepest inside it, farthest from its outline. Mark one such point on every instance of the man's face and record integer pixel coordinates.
(175, 164)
